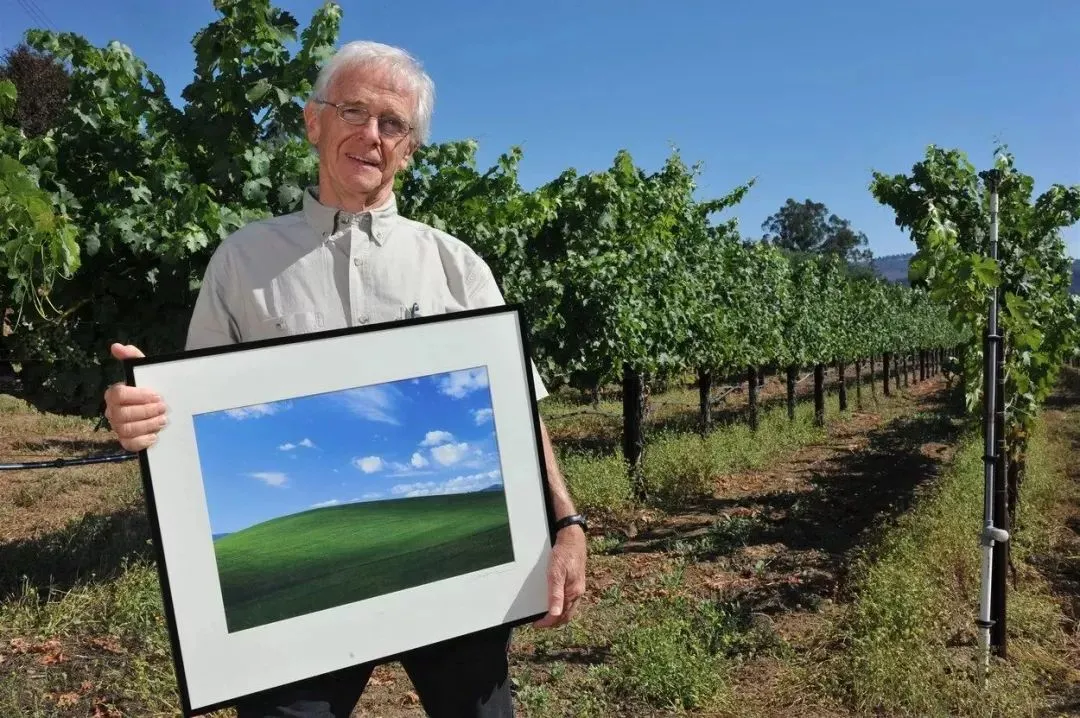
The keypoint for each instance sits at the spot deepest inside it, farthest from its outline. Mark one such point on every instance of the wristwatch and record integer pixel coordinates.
(571, 520)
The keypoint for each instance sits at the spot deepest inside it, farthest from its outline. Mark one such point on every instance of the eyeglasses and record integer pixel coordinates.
(389, 125)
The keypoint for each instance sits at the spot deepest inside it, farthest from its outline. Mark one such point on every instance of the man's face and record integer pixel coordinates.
(356, 164)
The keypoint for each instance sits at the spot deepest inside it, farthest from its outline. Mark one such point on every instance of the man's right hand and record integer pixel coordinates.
(136, 414)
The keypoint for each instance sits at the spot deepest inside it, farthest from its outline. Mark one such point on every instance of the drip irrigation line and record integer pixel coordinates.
(62, 463)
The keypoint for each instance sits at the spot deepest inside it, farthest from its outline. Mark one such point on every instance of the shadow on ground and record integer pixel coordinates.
(852, 495)
(93, 548)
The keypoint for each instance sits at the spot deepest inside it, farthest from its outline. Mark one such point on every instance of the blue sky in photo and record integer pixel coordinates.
(808, 98)
(415, 437)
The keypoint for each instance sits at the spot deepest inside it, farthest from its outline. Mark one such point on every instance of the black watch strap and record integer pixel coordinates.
(571, 520)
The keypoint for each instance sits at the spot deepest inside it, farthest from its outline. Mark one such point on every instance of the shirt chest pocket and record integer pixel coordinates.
(287, 325)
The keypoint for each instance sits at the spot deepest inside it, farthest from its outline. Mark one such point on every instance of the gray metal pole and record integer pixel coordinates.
(990, 535)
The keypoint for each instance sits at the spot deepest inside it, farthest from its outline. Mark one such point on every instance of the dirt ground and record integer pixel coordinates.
(778, 539)
(799, 520)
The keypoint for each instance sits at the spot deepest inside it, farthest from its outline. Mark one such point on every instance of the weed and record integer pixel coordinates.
(908, 638)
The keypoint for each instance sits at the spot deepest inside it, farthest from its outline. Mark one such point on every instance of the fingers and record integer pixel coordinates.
(136, 414)
(125, 351)
(566, 584)
(556, 575)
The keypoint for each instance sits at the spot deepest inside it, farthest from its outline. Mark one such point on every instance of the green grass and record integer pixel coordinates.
(907, 643)
(327, 557)
(682, 466)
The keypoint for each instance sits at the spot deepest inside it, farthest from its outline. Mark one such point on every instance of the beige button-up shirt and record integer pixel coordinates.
(320, 268)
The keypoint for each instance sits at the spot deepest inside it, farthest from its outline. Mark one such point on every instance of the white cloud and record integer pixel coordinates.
(448, 454)
(325, 504)
(369, 497)
(374, 403)
(412, 489)
(478, 458)
(306, 443)
(255, 410)
(456, 485)
(434, 438)
(459, 384)
(369, 464)
(418, 461)
(270, 478)
(482, 415)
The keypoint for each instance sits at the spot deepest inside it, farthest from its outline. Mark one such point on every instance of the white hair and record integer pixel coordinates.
(399, 63)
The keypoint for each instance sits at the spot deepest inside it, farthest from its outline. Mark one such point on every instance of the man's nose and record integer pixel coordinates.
(370, 130)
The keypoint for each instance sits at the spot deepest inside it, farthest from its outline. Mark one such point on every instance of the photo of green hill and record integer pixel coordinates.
(326, 557)
(322, 500)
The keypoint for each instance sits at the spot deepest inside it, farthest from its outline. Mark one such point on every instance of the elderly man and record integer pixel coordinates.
(348, 258)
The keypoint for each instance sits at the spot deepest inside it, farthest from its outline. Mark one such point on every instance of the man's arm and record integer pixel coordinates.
(560, 495)
(566, 572)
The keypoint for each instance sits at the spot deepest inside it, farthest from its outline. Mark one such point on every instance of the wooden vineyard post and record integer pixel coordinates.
(858, 383)
(705, 399)
(819, 394)
(885, 362)
(633, 431)
(752, 396)
(873, 380)
(792, 375)
(841, 371)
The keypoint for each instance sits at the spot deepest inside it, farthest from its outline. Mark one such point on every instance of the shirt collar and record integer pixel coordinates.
(327, 220)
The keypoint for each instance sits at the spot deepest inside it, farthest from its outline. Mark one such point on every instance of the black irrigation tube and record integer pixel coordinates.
(61, 463)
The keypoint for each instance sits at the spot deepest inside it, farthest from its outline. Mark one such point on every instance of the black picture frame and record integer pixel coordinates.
(206, 585)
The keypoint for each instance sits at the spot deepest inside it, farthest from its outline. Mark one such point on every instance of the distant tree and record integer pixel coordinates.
(809, 228)
(42, 84)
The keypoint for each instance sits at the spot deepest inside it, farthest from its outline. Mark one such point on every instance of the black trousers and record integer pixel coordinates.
(465, 677)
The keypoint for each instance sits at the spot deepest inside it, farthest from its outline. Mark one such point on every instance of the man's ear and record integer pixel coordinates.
(407, 157)
(311, 122)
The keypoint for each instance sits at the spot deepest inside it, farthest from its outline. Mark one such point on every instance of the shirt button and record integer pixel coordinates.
(356, 261)
(363, 319)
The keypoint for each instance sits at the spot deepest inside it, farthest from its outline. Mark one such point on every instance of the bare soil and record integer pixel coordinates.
(804, 514)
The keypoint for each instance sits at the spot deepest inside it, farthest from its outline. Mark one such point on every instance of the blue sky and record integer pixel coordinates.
(807, 97)
(415, 437)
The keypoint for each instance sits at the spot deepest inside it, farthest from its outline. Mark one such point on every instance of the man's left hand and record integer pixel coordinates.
(566, 577)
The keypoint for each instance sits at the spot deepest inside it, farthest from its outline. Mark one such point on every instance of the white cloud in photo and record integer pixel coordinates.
(460, 384)
(416, 466)
(270, 478)
(482, 416)
(434, 438)
(255, 411)
(304, 443)
(449, 454)
(325, 504)
(369, 497)
(374, 403)
(478, 458)
(457, 485)
(369, 464)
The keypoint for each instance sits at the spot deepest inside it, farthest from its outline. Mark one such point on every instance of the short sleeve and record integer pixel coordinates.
(212, 322)
(482, 291)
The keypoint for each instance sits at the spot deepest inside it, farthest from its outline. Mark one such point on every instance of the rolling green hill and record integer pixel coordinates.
(326, 557)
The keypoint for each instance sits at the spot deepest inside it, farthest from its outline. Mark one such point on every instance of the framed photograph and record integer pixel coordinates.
(329, 499)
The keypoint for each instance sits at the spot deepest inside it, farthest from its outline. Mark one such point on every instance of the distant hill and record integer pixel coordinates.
(894, 268)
